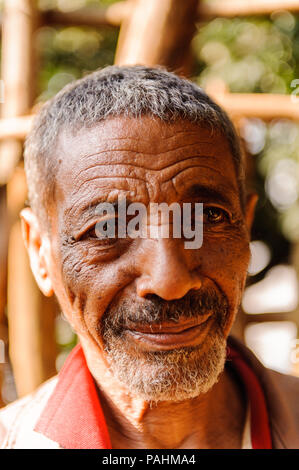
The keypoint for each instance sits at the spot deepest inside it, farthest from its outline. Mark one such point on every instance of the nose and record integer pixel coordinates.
(165, 271)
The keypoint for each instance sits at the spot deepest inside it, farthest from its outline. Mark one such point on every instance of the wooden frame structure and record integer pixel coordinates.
(169, 23)
(117, 13)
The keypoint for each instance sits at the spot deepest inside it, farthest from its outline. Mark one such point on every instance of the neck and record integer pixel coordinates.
(211, 420)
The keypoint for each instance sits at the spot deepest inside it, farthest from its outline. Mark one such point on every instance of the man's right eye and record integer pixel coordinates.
(89, 234)
(104, 232)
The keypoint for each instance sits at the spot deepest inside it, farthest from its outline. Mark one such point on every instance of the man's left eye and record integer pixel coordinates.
(215, 215)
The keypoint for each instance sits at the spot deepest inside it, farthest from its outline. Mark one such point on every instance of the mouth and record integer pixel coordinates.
(164, 336)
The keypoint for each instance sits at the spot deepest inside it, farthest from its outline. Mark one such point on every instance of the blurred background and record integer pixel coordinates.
(245, 54)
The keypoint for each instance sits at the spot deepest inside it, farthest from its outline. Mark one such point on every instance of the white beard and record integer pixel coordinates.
(174, 375)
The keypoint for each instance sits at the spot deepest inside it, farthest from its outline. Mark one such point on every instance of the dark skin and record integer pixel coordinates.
(148, 161)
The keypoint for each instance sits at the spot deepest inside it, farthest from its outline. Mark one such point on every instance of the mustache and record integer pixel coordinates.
(154, 310)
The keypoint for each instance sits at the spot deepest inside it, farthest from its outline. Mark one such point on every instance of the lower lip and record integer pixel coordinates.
(164, 341)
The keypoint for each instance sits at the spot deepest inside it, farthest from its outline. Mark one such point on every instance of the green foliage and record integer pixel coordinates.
(250, 55)
(70, 53)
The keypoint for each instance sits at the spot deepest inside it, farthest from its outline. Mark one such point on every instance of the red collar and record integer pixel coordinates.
(259, 421)
(73, 416)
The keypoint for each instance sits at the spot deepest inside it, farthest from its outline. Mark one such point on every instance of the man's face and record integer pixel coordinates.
(158, 313)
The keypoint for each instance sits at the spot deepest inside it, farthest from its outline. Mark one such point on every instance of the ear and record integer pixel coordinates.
(250, 209)
(38, 247)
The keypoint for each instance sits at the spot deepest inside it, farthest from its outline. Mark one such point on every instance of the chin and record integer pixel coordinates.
(172, 375)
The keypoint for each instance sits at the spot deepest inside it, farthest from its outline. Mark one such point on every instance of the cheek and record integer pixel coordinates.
(230, 260)
(90, 286)
(225, 261)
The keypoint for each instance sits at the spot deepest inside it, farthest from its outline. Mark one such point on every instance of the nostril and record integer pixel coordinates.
(169, 288)
(153, 298)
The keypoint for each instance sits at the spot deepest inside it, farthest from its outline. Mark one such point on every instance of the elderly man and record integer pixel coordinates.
(153, 368)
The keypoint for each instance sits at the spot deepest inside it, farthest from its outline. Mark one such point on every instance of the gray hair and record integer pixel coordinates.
(117, 91)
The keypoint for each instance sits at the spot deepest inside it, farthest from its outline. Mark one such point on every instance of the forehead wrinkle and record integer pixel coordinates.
(137, 151)
(171, 173)
(139, 136)
(151, 165)
(110, 177)
(129, 149)
(181, 170)
(130, 166)
(125, 165)
(170, 170)
(144, 137)
(138, 133)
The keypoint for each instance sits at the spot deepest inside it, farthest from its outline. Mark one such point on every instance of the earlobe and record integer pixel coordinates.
(38, 250)
(250, 209)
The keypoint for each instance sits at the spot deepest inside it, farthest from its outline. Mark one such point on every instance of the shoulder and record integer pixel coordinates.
(282, 397)
(281, 394)
(18, 420)
(286, 385)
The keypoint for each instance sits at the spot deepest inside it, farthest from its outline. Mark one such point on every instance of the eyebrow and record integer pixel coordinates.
(207, 192)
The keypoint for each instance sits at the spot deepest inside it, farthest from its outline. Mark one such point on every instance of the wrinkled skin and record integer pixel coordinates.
(148, 161)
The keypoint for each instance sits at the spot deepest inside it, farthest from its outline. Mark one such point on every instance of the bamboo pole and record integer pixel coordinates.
(31, 315)
(115, 14)
(295, 314)
(90, 16)
(3, 255)
(157, 33)
(17, 74)
(264, 106)
(15, 128)
(28, 336)
(232, 8)
(3, 285)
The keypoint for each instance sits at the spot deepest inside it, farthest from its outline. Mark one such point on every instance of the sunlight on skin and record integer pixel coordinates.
(148, 161)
